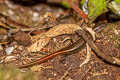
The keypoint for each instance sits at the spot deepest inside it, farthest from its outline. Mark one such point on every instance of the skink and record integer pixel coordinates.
(75, 47)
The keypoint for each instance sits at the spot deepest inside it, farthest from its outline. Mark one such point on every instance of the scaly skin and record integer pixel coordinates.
(70, 49)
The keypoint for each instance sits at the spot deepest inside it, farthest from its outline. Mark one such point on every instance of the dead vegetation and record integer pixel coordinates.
(58, 44)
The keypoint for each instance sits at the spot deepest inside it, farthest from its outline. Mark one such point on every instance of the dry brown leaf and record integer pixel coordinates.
(55, 31)
(3, 25)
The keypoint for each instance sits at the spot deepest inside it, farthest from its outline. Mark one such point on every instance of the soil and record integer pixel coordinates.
(63, 67)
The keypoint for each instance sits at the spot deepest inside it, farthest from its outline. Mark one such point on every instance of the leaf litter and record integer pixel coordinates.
(60, 67)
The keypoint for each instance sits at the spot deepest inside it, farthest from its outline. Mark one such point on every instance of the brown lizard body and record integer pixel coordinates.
(70, 49)
(75, 47)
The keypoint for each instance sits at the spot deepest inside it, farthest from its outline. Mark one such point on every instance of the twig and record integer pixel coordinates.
(14, 23)
(77, 2)
(88, 56)
(78, 10)
(65, 74)
(8, 21)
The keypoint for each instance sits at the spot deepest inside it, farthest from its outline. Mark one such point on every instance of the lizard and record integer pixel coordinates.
(75, 47)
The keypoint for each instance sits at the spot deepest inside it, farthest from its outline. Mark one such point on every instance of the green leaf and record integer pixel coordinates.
(114, 7)
(118, 1)
(96, 8)
(65, 4)
(82, 2)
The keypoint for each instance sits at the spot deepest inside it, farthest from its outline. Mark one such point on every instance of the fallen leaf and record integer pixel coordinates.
(22, 38)
(55, 31)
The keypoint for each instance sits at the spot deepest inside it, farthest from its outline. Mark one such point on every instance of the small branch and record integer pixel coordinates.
(77, 2)
(65, 74)
(14, 23)
(8, 21)
(88, 56)
(78, 10)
